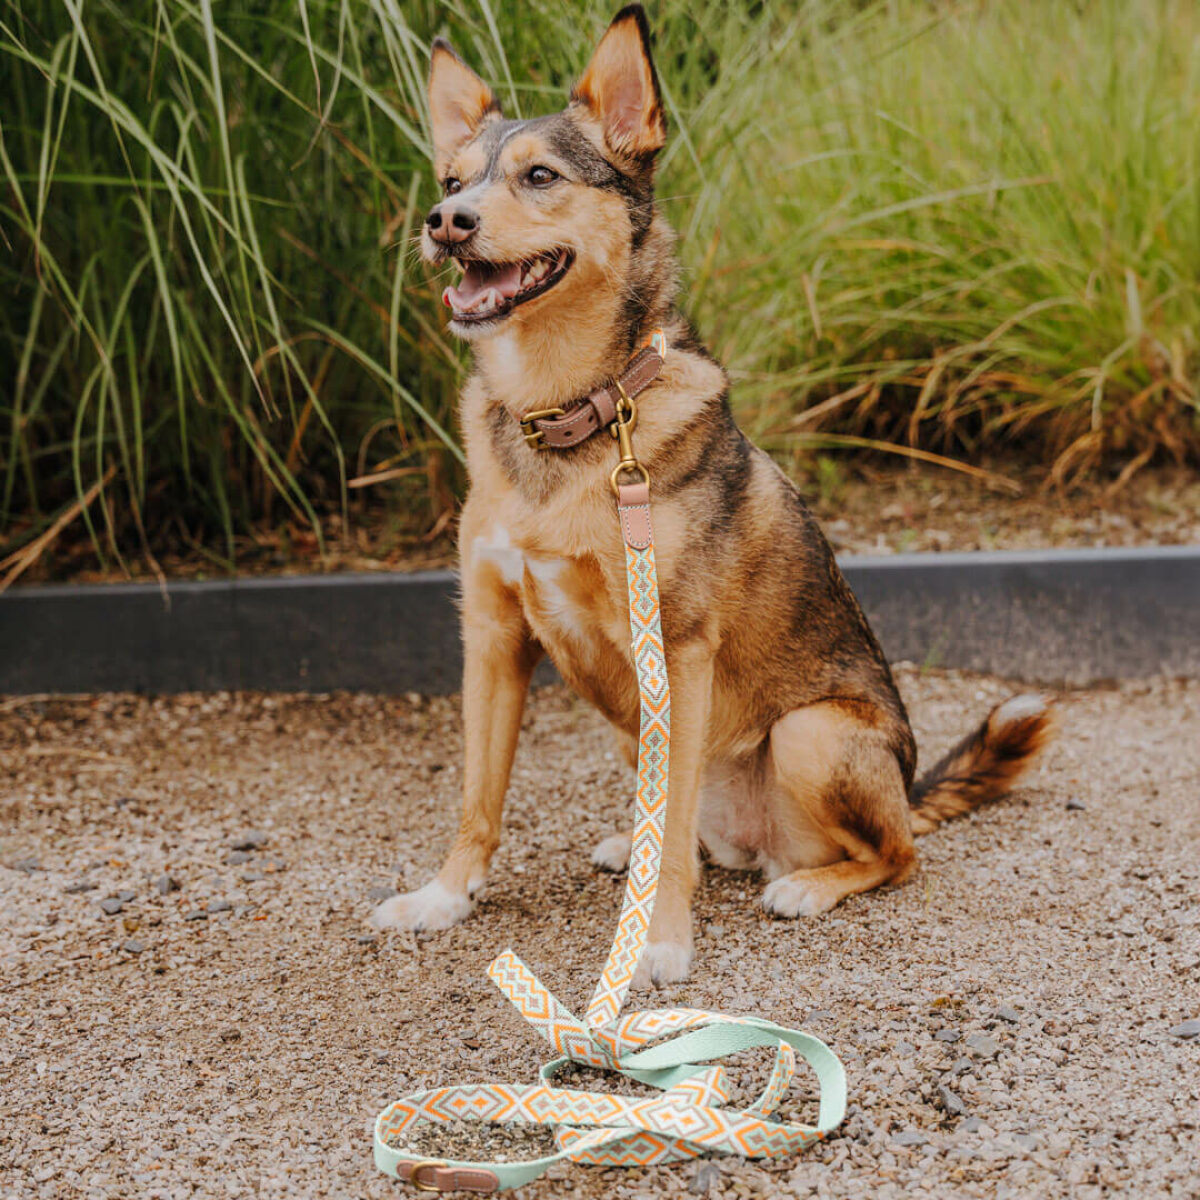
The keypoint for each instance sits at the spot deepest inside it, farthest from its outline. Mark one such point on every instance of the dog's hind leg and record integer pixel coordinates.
(840, 819)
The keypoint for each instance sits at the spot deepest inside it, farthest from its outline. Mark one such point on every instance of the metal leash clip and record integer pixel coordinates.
(622, 429)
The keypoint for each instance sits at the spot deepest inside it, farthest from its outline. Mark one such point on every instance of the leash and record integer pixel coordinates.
(665, 1048)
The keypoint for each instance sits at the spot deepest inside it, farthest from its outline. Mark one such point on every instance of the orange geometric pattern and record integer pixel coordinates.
(686, 1117)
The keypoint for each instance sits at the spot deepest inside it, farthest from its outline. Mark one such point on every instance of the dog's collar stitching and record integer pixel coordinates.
(565, 428)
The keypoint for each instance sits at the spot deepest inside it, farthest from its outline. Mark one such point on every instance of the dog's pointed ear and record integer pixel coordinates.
(620, 87)
(458, 100)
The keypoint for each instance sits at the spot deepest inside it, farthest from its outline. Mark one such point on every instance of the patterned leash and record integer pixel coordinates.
(660, 1047)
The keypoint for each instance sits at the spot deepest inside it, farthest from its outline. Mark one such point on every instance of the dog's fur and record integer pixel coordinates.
(790, 746)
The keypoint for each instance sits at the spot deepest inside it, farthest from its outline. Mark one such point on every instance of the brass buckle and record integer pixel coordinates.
(534, 437)
(414, 1176)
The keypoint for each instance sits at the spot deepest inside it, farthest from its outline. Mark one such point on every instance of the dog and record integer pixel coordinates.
(791, 749)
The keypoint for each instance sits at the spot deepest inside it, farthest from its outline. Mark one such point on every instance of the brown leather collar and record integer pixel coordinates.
(562, 428)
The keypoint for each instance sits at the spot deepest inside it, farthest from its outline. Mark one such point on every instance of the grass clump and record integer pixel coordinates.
(956, 229)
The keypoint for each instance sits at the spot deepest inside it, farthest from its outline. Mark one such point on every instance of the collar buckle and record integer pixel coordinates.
(536, 438)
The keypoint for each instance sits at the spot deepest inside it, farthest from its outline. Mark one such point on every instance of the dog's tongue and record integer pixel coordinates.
(478, 280)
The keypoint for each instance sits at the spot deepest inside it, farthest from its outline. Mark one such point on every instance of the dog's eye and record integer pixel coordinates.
(542, 176)
(451, 185)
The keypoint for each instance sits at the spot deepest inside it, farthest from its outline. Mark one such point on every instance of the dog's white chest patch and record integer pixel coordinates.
(552, 601)
(497, 548)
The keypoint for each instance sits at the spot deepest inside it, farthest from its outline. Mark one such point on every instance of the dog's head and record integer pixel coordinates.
(545, 216)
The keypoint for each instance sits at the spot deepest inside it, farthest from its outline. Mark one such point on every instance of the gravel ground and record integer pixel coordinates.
(231, 1027)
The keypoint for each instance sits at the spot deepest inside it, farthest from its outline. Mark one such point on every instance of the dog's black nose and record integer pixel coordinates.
(451, 223)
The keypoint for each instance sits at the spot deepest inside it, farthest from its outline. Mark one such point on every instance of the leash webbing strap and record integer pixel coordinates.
(665, 1048)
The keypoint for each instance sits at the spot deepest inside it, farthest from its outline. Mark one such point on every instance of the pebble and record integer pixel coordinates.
(133, 946)
(983, 1045)
(705, 1177)
(219, 906)
(947, 1035)
(235, 858)
(76, 889)
(1188, 1029)
(197, 914)
(377, 895)
(232, 1034)
(909, 1137)
(26, 866)
(253, 839)
(365, 939)
(1075, 805)
(251, 876)
(166, 885)
(950, 1102)
(126, 896)
(972, 1124)
(1006, 1013)
(112, 905)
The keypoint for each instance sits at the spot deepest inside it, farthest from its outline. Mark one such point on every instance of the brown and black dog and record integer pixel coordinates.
(790, 746)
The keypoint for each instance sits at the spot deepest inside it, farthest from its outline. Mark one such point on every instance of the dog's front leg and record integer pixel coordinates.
(668, 954)
(500, 655)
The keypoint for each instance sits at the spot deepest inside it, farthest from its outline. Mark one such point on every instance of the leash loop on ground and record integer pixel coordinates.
(664, 1048)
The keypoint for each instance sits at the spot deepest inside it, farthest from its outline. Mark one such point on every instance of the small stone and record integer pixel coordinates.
(950, 1102)
(232, 1034)
(235, 858)
(166, 885)
(197, 914)
(112, 905)
(252, 876)
(909, 1137)
(26, 866)
(219, 906)
(76, 889)
(365, 939)
(983, 1045)
(1188, 1029)
(126, 896)
(133, 946)
(947, 1035)
(1007, 1013)
(377, 895)
(253, 839)
(1056, 1028)
(1026, 1141)
(1075, 805)
(716, 931)
(704, 1178)
(972, 1124)
(961, 1066)
(818, 1014)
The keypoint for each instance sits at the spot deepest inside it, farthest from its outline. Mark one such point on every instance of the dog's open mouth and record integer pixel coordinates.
(488, 291)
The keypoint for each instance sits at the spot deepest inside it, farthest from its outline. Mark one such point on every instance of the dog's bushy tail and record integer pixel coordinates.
(985, 764)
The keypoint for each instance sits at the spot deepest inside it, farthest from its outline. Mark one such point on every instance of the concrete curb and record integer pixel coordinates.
(1050, 616)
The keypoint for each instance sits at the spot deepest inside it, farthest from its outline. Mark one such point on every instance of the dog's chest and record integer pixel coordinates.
(566, 599)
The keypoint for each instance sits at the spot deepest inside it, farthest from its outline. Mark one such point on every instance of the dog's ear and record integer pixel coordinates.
(458, 100)
(620, 87)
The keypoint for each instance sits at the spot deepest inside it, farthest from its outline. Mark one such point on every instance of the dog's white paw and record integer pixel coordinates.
(431, 907)
(663, 963)
(612, 854)
(792, 897)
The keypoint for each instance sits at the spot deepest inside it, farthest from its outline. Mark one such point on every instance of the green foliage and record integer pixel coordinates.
(959, 227)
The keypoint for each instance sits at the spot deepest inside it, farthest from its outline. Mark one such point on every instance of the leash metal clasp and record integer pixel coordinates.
(536, 437)
(622, 429)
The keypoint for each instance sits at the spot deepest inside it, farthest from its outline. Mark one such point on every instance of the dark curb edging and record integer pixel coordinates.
(1053, 616)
